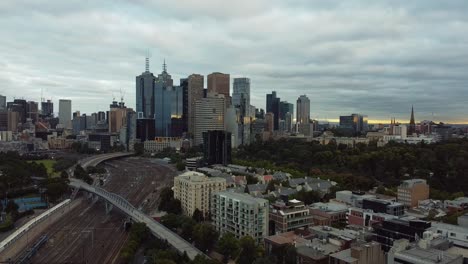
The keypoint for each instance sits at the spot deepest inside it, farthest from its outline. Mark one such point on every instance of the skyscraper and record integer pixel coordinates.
(145, 93)
(303, 110)
(241, 93)
(65, 112)
(47, 108)
(412, 125)
(32, 110)
(285, 108)
(209, 115)
(195, 93)
(163, 101)
(2, 102)
(219, 83)
(217, 147)
(273, 106)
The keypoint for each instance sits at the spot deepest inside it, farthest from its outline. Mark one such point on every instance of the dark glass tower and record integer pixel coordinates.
(145, 93)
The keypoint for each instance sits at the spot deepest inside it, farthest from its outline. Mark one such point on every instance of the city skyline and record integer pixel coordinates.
(327, 51)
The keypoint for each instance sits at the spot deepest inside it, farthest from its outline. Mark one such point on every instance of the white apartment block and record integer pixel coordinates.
(240, 214)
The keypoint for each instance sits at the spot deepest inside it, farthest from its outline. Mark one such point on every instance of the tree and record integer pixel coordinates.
(198, 215)
(180, 166)
(205, 236)
(139, 148)
(168, 203)
(248, 250)
(380, 190)
(228, 245)
(64, 174)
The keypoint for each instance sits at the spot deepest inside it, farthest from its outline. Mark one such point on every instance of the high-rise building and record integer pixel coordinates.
(241, 92)
(285, 107)
(209, 115)
(168, 103)
(288, 121)
(303, 110)
(195, 93)
(412, 125)
(47, 108)
(14, 119)
(355, 123)
(270, 119)
(3, 104)
(217, 147)
(273, 106)
(185, 104)
(145, 93)
(65, 112)
(240, 214)
(410, 192)
(20, 106)
(145, 129)
(32, 110)
(101, 116)
(117, 116)
(3, 120)
(194, 190)
(219, 83)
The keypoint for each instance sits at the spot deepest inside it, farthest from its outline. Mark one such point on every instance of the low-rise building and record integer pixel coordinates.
(457, 205)
(161, 143)
(240, 214)
(403, 253)
(410, 192)
(328, 214)
(458, 235)
(359, 253)
(194, 190)
(382, 206)
(289, 216)
(463, 220)
(388, 231)
(365, 217)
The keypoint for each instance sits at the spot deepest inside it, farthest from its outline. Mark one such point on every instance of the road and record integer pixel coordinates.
(137, 179)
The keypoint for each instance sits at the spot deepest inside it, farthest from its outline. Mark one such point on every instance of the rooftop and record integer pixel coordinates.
(245, 198)
(410, 183)
(194, 176)
(419, 255)
(317, 249)
(287, 238)
(329, 207)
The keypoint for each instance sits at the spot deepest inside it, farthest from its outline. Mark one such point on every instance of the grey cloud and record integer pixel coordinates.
(364, 56)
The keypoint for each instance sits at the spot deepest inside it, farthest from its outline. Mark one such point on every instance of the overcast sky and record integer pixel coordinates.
(371, 57)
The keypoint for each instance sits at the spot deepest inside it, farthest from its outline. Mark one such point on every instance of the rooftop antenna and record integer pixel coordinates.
(147, 61)
(164, 66)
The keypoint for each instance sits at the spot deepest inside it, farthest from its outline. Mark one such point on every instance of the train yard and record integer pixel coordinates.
(87, 234)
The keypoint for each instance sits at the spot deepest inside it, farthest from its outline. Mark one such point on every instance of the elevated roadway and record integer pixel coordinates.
(157, 229)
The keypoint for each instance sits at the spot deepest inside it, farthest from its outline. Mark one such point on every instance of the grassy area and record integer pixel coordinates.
(49, 164)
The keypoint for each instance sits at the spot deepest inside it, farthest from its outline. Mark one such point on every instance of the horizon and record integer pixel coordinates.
(328, 50)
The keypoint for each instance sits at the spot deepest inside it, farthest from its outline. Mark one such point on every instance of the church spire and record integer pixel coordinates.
(412, 125)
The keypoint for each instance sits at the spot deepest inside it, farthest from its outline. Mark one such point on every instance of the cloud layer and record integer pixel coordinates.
(371, 57)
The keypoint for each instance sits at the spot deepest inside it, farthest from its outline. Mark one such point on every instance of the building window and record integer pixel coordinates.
(453, 234)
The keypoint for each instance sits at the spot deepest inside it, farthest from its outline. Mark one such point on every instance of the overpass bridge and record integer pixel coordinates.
(115, 200)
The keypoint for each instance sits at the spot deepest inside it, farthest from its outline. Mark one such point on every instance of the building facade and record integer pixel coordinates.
(209, 115)
(217, 147)
(65, 113)
(194, 191)
(195, 84)
(240, 214)
(285, 217)
(412, 191)
(219, 83)
(145, 93)
(303, 110)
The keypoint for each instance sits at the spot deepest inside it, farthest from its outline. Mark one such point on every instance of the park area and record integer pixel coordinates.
(49, 165)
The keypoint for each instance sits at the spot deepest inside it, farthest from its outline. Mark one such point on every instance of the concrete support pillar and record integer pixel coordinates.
(109, 207)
